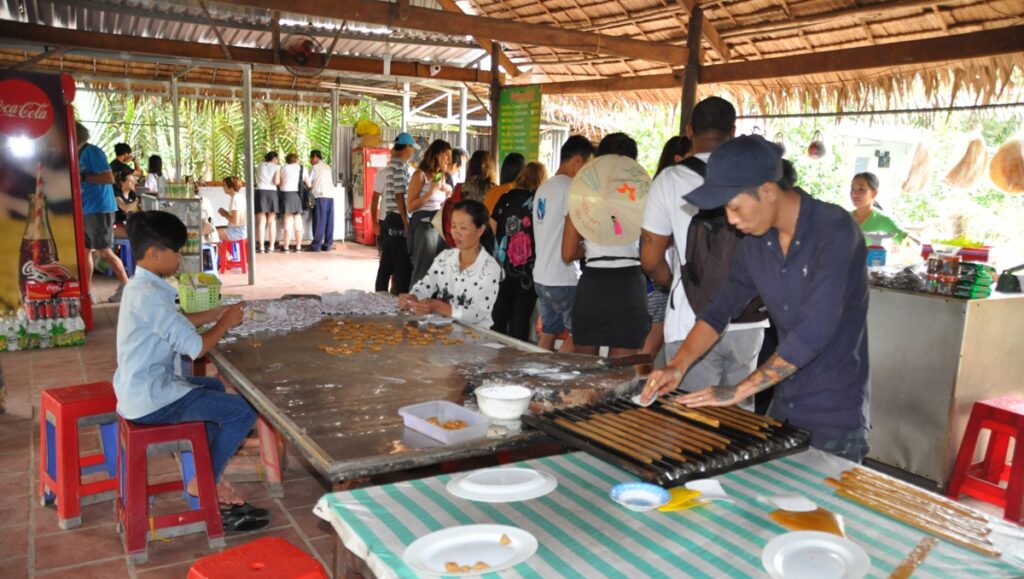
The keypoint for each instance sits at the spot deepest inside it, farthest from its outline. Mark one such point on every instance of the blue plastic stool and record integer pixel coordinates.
(210, 258)
(123, 248)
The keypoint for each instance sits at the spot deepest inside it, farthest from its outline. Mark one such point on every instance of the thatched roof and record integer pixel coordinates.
(736, 32)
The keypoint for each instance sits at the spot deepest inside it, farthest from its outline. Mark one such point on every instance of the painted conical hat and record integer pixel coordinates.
(606, 200)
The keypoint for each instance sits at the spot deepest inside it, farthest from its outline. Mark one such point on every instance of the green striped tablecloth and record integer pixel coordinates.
(582, 533)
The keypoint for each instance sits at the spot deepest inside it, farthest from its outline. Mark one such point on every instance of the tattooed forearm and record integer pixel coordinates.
(723, 393)
(774, 370)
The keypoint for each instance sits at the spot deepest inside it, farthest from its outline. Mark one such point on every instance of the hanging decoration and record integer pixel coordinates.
(971, 167)
(816, 149)
(1007, 169)
(920, 174)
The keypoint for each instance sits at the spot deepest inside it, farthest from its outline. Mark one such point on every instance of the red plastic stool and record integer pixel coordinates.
(233, 255)
(270, 557)
(1004, 417)
(63, 411)
(137, 442)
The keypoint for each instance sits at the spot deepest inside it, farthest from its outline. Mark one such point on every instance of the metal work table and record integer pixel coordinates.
(341, 411)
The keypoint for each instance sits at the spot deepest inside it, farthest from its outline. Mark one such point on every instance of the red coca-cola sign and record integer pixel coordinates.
(25, 110)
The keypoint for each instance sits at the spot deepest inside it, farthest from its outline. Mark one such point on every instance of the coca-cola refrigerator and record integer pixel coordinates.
(365, 164)
(43, 302)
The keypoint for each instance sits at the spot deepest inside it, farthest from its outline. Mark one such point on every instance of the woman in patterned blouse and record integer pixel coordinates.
(462, 283)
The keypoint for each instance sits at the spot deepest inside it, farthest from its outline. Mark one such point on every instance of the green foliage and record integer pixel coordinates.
(212, 132)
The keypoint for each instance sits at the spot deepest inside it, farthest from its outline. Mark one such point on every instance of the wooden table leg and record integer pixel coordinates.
(271, 456)
(346, 564)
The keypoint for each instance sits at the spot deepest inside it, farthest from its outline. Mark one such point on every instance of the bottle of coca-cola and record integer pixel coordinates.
(38, 248)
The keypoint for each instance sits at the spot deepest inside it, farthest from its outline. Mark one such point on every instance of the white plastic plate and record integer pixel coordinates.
(814, 555)
(502, 485)
(468, 544)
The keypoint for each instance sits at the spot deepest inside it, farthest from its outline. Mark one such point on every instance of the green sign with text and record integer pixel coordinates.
(519, 122)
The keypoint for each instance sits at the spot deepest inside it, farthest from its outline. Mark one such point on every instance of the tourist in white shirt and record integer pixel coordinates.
(426, 194)
(235, 213)
(667, 217)
(610, 308)
(555, 280)
(321, 186)
(268, 201)
(462, 282)
(155, 181)
(291, 201)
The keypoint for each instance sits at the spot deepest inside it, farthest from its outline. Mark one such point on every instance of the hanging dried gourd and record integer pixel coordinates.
(919, 175)
(816, 149)
(1007, 169)
(971, 167)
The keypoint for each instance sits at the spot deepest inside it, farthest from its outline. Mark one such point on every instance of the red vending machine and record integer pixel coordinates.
(43, 302)
(365, 164)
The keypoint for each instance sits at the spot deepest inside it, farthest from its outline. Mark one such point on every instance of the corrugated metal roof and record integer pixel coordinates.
(242, 26)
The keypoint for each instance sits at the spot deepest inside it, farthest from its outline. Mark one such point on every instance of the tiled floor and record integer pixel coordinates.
(31, 542)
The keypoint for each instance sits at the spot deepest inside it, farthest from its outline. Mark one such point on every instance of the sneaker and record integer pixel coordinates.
(259, 249)
(117, 294)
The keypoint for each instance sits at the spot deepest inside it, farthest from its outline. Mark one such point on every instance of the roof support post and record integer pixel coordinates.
(406, 113)
(463, 113)
(175, 107)
(249, 170)
(337, 151)
(691, 75)
(495, 101)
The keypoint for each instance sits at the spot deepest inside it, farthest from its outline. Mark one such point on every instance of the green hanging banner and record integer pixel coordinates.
(519, 122)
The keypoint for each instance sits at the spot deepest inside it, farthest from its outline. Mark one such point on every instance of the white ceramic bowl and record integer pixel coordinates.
(503, 401)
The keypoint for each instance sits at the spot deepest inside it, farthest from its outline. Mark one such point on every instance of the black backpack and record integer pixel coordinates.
(710, 244)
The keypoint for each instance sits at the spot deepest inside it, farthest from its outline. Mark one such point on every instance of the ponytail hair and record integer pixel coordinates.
(477, 211)
(872, 180)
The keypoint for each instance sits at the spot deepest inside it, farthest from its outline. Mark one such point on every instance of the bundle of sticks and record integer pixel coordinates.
(926, 511)
(670, 443)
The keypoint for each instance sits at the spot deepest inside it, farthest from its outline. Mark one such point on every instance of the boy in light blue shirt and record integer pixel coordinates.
(151, 332)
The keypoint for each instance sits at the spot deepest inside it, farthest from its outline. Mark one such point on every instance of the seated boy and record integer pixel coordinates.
(151, 332)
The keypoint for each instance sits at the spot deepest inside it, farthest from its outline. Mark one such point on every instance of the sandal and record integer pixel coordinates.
(243, 524)
(244, 510)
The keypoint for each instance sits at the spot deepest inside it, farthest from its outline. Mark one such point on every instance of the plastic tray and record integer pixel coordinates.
(416, 415)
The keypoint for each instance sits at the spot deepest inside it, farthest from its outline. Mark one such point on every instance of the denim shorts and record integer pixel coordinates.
(555, 303)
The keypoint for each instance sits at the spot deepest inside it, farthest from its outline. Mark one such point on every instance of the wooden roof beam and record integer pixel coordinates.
(80, 39)
(503, 59)
(495, 29)
(878, 9)
(981, 44)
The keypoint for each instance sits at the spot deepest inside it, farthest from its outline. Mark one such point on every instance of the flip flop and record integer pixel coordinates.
(244, 510)
(243, 524)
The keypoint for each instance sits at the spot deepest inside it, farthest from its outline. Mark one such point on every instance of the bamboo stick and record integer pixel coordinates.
(580, 432)
(897, 485)
(658, 445)
(665, 433)
(923, 526)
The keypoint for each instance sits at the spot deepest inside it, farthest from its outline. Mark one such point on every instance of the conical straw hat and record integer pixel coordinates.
(606, 200)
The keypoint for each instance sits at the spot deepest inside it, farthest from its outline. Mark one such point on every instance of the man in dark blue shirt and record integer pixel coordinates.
(807, 260)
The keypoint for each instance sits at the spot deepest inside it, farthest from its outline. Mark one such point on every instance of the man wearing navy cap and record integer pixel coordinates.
(807, 260)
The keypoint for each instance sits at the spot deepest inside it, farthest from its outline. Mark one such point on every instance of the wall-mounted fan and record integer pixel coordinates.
(302, 55)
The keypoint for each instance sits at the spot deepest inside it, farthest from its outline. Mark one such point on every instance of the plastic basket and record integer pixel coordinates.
(205, 295)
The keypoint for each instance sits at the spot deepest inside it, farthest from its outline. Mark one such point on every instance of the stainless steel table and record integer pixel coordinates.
(341, 411)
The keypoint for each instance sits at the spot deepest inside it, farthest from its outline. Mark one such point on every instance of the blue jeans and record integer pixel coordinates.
(323, 225)
(555, 307)
(228, 418)
(851, 445)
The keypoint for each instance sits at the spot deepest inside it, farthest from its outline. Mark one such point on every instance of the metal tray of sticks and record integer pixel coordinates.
(669, 444)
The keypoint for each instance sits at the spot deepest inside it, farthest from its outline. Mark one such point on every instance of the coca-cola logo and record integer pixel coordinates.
(25, 110)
